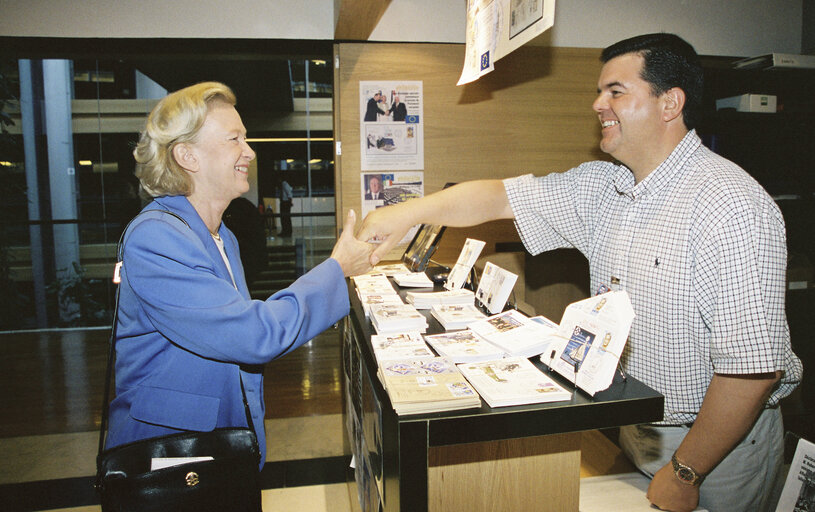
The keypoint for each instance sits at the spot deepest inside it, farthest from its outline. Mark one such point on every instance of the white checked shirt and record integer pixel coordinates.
(701, 249)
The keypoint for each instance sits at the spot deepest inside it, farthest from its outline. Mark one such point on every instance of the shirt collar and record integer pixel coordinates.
(663, 174)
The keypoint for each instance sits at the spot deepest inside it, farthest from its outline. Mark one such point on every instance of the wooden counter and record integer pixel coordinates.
(505, 458)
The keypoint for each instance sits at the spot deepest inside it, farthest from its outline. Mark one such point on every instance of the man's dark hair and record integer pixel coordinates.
(669, 61)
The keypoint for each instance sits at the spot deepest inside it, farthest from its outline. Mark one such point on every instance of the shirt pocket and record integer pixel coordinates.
(175, 409)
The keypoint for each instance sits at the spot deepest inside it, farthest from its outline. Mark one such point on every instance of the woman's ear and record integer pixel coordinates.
(673, 103)
(185, 157)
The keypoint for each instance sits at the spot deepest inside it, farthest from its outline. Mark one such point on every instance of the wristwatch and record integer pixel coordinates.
(686, 474)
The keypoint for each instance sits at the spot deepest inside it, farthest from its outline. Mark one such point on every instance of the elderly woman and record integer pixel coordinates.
(189, 337)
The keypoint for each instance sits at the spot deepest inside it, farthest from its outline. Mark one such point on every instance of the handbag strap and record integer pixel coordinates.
(112, 341)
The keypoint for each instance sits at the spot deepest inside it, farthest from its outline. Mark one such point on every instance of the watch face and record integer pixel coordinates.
(686, 474)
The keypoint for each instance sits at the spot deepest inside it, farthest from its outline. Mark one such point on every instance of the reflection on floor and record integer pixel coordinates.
(50, 384)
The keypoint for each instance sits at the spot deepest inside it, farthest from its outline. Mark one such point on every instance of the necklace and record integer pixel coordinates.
(216, 236)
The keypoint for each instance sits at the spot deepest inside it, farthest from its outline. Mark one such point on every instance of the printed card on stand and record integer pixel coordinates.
(466, 259)
(495, 287)
(590, 340)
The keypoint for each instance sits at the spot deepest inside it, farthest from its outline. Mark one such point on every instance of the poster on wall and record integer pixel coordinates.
(378, 189)
(391, 125)
(496, 28)
(481, 38)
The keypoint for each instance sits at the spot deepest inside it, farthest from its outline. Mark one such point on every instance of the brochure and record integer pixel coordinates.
(512, 381)
(464, 347)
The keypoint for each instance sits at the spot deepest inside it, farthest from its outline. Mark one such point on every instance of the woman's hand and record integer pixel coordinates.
(352, 255)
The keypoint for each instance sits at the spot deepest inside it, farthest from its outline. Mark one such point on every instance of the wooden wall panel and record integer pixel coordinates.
(532, 114)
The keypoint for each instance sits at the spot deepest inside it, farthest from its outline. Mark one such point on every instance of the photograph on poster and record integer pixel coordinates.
(382, 189)
(523, 14)
(391, 125)
(385, 188)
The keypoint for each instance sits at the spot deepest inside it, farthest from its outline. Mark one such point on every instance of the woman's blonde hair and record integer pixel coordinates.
(176, 119)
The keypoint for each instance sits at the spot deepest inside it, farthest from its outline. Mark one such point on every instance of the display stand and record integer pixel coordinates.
(508, 458)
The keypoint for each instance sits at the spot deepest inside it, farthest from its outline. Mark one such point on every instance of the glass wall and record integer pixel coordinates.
(70, 119)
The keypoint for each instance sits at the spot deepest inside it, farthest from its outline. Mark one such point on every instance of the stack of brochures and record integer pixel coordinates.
(413, 280)
(515, 333)
(512, 381)
(424, 300)
(403, 345)
(375, 289)
(378, 299)
(456, 317)
(390, 318)
(429, 385)
(464, 347)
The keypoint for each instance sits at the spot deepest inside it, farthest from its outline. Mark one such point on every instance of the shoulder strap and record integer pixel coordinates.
(112, 341)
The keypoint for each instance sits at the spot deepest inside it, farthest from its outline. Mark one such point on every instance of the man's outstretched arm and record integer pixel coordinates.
(466, 204)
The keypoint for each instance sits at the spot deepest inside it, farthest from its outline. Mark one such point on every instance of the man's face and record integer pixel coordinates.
(375, 185)
(630, 115)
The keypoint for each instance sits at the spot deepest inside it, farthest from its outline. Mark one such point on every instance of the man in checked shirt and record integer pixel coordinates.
(700, 247)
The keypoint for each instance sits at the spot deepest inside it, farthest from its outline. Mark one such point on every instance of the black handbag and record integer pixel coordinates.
(229, 481)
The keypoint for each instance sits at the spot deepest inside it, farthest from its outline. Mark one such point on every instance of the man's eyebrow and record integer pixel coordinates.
(610, 85)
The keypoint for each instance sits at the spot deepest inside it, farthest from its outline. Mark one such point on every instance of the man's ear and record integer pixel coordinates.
(185, 157)
(673, 101)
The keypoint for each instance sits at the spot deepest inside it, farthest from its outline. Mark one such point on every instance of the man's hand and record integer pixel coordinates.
(668, 493)
(387, 226)
(352, 255)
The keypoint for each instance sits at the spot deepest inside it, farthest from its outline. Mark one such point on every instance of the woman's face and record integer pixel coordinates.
(223, 155)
